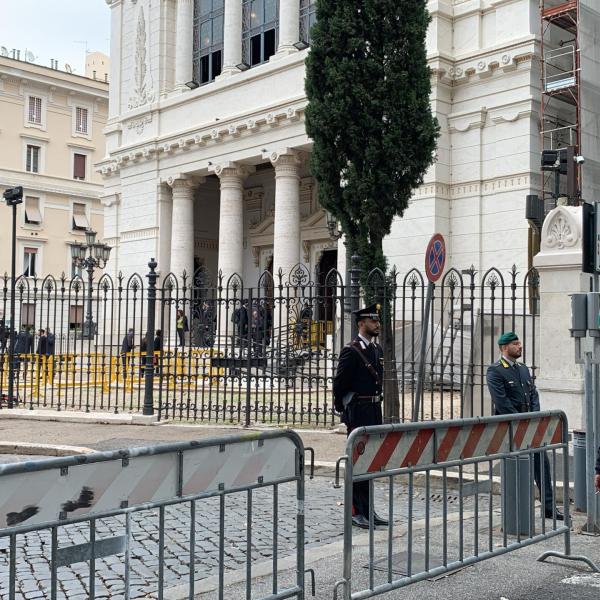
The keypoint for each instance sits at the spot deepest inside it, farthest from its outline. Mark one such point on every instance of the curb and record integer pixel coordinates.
(27, 448)
(78, 417)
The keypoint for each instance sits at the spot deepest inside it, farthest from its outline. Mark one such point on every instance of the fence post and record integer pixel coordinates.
(149, 359)
(354, 293)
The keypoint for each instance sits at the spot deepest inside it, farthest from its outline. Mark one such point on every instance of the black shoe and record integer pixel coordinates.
(377, 520)
(557, 514)
(360, 521)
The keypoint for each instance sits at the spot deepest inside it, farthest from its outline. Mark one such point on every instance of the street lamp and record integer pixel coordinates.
(332, 226)
(90, 256)
(13, 197)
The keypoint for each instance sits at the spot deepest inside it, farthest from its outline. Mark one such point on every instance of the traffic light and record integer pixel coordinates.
(589, 238)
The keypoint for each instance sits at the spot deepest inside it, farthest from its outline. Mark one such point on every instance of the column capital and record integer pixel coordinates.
(182, 181)
(232, 169)
(285, 158)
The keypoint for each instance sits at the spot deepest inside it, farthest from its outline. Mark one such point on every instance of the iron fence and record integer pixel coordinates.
(216, 349)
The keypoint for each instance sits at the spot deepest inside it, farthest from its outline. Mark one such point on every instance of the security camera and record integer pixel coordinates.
(13, 196)
(579, 159)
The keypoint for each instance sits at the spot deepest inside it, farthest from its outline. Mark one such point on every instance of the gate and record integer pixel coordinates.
(105, 524)
(264, 352)
(470, 452)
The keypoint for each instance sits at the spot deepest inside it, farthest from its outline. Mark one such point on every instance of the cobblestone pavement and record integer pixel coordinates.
(324, 524)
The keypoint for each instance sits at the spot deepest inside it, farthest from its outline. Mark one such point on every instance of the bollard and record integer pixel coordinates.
(580, 473)
(517, 492)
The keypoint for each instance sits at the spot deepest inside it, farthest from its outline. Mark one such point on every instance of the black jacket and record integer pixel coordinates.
(42, 347)
(127, 344)
(512, 388)
(353, 376)
(24, 343)
(598, 462)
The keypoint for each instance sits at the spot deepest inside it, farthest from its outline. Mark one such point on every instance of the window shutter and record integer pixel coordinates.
(35, 110)
(79, 166)
(32, 210)
(81, 120)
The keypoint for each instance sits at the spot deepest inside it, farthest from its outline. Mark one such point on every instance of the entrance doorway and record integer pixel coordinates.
(325, 313)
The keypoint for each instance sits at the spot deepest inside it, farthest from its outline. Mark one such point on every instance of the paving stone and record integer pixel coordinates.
(324, 520)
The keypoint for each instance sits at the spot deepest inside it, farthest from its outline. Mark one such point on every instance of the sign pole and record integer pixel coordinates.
(435, 260)
(422, 352)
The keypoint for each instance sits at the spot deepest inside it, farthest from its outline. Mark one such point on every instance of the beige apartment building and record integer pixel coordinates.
(51, 136)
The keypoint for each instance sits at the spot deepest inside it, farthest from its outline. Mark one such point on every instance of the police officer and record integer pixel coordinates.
(513, 391)
(357, 389)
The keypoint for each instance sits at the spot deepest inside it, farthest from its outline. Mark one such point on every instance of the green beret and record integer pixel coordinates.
(507, 338)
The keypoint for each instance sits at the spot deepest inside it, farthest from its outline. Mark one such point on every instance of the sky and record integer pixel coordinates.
(59, 29)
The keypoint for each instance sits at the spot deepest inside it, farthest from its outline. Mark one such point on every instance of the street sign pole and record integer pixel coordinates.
(435, 260)
(422, 352)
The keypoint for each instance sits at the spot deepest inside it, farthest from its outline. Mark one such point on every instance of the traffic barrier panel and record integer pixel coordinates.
(471, 526)
(65, 498)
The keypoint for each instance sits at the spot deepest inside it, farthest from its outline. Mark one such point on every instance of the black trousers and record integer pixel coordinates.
(361, 414)
(546, 495)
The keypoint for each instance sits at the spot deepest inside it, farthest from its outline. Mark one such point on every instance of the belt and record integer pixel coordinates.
(368, 398)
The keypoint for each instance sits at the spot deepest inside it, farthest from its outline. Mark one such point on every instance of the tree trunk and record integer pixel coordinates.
(383, 294)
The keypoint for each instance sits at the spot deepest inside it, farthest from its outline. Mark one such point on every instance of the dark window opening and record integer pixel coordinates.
(260, 25)
(208, 40)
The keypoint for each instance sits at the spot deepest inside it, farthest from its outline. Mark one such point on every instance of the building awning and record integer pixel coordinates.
(80, 221)
(33, 214)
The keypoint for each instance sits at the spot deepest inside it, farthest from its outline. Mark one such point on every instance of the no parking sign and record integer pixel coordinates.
(435, 257)
(435, 260)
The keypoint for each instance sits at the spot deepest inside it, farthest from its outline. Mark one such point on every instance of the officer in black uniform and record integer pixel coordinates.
(357, 390)
(513, 391)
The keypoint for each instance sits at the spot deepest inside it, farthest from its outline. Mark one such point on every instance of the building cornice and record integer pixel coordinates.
(213, 134)
(29, 73)
(485, 187)
(50, 184)
(482, 65)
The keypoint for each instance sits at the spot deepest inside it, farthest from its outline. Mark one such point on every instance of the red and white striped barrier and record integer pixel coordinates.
(55, 494)
(398, 449)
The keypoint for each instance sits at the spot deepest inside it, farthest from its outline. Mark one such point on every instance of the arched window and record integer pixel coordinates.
(208, 39)
(260, 23)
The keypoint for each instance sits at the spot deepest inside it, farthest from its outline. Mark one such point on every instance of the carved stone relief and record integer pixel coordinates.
(142, 93)
(562, 228)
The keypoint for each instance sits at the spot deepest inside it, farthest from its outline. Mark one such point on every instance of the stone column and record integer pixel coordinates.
(231, 240)
(114, 91)
(289, 26)
(232, 37)
(182, 227)
(231, 219)
(286, 237)
(559, 379)
(165, 227)
(184, 43)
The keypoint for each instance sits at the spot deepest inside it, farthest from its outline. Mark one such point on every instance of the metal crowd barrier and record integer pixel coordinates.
(465, 530)
(50, 497)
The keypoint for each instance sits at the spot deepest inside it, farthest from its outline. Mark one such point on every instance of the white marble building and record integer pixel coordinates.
(218, 175)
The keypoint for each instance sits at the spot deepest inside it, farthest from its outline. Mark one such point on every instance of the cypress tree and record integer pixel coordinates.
(368, 86)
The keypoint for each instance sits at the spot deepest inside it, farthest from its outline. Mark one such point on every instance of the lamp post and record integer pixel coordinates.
(97, 257)
(13, 197)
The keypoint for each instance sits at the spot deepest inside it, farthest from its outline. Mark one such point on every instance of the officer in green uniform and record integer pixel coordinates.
(513, 391)
(357, 391)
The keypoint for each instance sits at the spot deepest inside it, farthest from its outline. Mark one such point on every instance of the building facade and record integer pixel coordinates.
(51, 126)
(207, 153)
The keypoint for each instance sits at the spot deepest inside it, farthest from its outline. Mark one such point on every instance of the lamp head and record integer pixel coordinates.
(90, 237)
(106, 252)
(77, 251)
(13, 196)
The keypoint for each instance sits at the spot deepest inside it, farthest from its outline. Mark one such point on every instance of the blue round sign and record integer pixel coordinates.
(435, 257)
